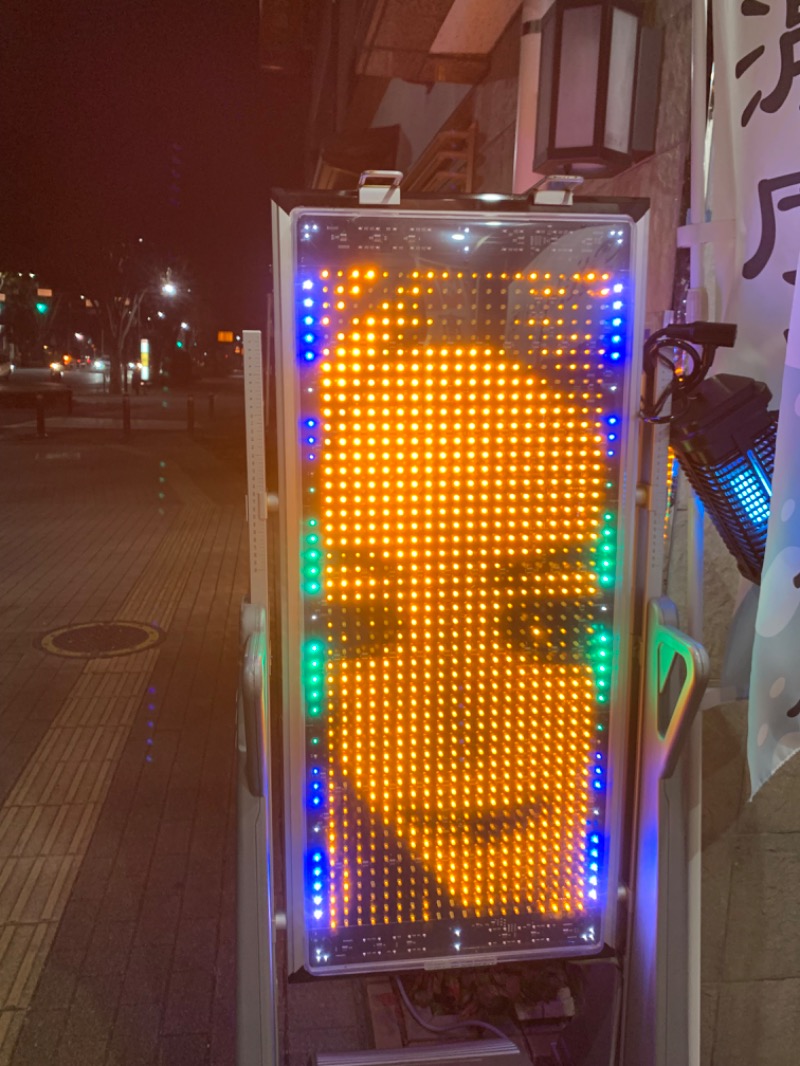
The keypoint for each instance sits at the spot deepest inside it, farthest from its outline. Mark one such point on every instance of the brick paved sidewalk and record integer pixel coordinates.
(117, 824)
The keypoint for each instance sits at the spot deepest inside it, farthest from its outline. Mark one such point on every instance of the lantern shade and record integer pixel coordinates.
(597, 99)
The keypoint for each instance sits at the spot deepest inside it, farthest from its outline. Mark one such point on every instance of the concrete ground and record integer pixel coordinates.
(117, 798)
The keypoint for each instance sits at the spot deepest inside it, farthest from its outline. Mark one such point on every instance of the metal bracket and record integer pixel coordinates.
(379, 187)
(556, 189)
(665, 644)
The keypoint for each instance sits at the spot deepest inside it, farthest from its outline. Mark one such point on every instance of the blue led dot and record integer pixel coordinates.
(308, 321)
(308, 284)
(311, 422)
(613, 420)
(612, 436)
(616, 322)
(317, 856)
(308, 356)
(611, 452)
(598, 784)
(316, 802)
(309, 338)
(616, 355)
(617, 305)
(616, 339)
(313, 440)
(308, 302)
(317, 886)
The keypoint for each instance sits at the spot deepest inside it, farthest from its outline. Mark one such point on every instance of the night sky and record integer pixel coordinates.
(127, 118)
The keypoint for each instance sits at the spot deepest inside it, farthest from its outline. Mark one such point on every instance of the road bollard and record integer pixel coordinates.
(126, 415)
(190, 413)
(211, 400)
(40, 428)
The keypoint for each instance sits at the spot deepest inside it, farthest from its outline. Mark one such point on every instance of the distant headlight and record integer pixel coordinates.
(56, 366)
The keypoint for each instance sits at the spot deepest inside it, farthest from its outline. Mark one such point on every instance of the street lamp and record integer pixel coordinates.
(169, 288)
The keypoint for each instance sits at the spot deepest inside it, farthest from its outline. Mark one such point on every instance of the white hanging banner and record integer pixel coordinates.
(755, 178)
(755, 187)
(774, 710)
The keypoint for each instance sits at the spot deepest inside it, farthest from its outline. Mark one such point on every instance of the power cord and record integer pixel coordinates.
(443, 1028)
(697, 340)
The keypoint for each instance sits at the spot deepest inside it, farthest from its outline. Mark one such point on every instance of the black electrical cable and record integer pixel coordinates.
(687, 338)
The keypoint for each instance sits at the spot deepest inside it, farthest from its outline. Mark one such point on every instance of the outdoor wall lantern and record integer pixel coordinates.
(598, 88)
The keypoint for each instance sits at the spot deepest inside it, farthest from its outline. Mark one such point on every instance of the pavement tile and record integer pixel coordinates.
(189, 998)
(184, 1050)
(73, 1051)
(90, 883)
(757, 1023)
(196, 944)
(173, 838)
(109, 948)
(57, 982)
(147, 973)
(166, 876)
(122, 899)
(134, 1040)
(39, 1037)
(158, 920)
(76, 926)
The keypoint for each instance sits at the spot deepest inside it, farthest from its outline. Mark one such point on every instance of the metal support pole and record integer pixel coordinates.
(697, 308)
(190, 413)
(40, 426)
(126, 415)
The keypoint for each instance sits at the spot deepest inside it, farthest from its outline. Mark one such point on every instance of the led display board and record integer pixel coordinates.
(456, 406)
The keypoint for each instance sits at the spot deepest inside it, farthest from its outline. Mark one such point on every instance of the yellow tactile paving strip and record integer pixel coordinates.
(48, 818)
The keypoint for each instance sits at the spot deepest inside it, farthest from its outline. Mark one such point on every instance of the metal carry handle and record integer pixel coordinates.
(664, 643)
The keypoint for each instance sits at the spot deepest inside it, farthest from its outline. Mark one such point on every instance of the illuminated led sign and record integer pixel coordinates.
(459, 434)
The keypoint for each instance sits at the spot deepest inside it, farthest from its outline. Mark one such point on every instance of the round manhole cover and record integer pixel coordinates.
(100, 640)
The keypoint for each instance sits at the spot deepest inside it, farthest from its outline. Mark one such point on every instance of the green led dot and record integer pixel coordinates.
(312, 522)
(312, 538)
(312, 588)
